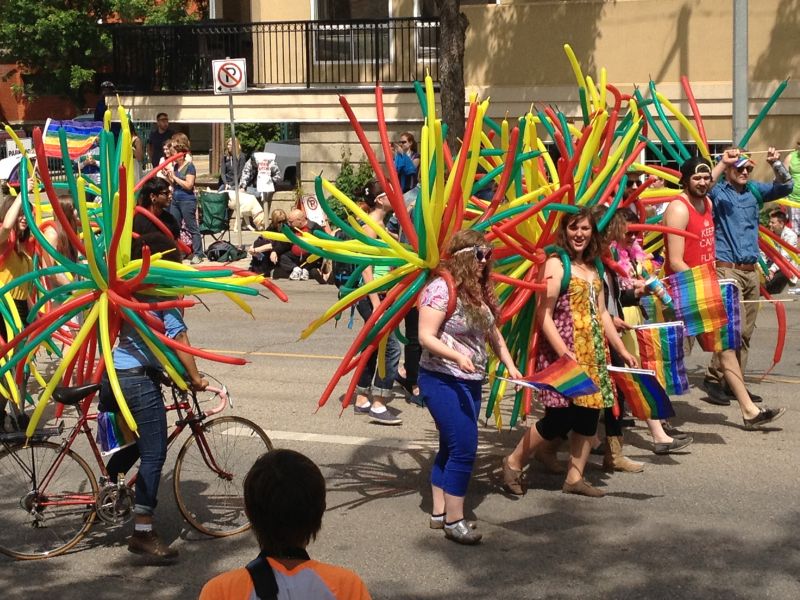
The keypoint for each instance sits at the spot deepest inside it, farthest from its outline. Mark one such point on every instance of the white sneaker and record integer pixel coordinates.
(304, 274)
(296, 274)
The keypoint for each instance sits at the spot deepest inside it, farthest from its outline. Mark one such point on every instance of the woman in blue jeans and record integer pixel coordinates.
(184, 201)
(452, 369)
(374, 391)
(140, 376)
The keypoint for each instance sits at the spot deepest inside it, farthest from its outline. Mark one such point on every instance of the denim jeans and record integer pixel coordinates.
(146, 403)
(382, 386)
(185, 211)
(455, 405)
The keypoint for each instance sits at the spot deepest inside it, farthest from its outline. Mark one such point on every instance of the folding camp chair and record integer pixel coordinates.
(214, 216)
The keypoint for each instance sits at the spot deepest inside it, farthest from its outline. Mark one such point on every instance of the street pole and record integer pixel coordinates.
(741, 97)
(235, 150)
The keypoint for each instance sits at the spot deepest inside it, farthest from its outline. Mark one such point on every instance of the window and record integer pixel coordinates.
(351, 42)
(346, 10)
(427, 31)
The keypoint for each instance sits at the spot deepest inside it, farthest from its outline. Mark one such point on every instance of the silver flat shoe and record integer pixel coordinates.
(439, 524)
(461, 533)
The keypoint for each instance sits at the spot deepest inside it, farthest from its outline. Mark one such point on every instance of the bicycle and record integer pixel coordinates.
(49, 496)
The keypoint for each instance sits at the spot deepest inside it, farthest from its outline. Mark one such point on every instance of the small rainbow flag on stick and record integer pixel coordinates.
(643, 394)
(729, 336)
(661, 350)
(696, 299)
(81, 136)
(564, 376)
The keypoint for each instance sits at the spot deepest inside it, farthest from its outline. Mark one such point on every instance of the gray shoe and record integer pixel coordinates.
(765, 415)
(362, 410)
(384, 418)
(675, 445)
(461, 533)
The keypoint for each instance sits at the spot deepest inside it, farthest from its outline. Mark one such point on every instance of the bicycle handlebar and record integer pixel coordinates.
(223, 399)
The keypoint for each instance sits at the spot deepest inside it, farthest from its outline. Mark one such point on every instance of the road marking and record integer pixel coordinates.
(354, 440)
(771, 379)
(276, 354)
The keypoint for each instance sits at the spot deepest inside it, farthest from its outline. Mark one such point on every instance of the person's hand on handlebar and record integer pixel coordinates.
(199, 385)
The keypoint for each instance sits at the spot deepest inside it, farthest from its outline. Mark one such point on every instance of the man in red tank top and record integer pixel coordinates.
(692, 212)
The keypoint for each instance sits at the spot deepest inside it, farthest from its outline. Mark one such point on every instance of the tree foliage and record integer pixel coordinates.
(352, 180)
(253, 136)
(149, 12)
(57, 44)
(60, 45)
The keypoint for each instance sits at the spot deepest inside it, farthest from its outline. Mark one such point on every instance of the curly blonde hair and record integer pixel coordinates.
(473, 286)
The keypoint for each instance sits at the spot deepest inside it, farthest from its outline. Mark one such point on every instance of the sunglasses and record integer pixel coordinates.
(748, 168)
(481, 252)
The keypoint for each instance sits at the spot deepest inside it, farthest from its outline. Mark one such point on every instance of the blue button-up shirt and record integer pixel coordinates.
(736, 218)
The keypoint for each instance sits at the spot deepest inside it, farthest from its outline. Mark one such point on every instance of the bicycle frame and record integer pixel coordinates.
(193, 418)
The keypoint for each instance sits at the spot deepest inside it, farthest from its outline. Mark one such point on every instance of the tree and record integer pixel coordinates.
(253, 136)
(60, 45)
(351, 182)
(164, 12)
(452, 39)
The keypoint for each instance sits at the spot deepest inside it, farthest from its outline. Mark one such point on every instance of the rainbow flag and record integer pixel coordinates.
(654, 309)
(81, 136)
(642, 392)
(564, 376)
(661, 350)
(113, 433)
(729, 336)
(696, 299)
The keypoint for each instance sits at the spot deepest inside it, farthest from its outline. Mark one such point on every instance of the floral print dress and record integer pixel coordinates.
(578, 323)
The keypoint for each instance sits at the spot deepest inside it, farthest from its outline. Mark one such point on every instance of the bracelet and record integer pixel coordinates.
(781, 172)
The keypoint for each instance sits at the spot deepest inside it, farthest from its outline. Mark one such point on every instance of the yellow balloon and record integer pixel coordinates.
(45, 396)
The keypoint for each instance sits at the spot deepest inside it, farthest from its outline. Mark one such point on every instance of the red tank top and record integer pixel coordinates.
(697, 252)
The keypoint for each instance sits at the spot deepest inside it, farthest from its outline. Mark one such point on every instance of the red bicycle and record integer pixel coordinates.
(49, 496)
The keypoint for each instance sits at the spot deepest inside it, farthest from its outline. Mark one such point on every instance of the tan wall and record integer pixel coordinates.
(515, 56)
(281, 10)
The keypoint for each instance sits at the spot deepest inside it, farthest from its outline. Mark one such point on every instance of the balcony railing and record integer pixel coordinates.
(293, 54)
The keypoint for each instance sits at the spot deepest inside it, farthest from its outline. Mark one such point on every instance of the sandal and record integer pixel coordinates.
(512, 479)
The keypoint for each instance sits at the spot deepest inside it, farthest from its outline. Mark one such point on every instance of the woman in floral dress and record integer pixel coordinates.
(573, 323)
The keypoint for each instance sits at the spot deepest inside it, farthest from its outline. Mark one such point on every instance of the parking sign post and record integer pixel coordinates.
(230, 77)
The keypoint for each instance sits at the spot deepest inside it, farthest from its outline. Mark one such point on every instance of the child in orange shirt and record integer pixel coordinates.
(284, 497)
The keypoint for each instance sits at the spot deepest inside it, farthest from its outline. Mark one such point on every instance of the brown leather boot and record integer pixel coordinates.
(148, 543)
(614, 459)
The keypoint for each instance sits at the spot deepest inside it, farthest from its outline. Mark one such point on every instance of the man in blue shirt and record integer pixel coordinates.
(737, 202)
(140, 375)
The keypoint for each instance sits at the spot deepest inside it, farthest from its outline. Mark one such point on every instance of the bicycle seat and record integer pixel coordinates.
(73, 395)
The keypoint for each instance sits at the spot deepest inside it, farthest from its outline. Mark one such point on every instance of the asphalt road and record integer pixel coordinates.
(720, 521)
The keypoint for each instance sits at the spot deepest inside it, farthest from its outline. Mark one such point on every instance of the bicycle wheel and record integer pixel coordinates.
(210, 470)
(46, 519)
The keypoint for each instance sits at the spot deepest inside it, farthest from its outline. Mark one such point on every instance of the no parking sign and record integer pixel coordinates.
(229, 76)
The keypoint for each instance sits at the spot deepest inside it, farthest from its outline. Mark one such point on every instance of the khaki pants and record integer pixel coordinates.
(748, 282)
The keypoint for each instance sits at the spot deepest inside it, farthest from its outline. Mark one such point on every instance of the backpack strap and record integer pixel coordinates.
(264, 582)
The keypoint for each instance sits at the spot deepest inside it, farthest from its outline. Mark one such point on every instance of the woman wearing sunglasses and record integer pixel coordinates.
(453, 336)
(572, 322)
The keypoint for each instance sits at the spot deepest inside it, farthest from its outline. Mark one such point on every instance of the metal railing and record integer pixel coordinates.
(292, 54)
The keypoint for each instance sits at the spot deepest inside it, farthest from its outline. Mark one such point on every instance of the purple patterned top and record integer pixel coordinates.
(456, 333)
